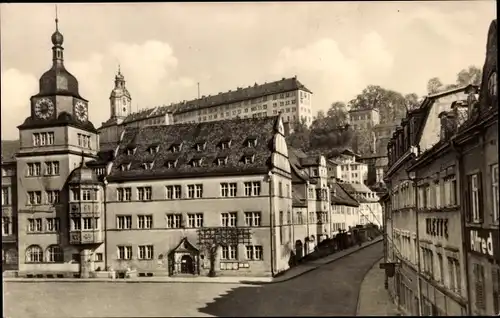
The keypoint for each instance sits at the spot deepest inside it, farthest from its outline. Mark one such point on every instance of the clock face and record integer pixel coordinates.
(44, 108)
(81, 111)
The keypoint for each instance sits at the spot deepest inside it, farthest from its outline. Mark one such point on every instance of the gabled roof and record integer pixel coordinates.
(355, 188)
(9, 150)
(177, 147)
(339, 196)
(184, 246)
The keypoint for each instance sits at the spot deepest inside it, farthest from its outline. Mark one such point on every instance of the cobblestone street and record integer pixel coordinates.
(329, 290)
(374, 299)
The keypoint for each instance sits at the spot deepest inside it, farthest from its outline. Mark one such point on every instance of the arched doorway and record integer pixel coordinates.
(187, 264)
(299, 248)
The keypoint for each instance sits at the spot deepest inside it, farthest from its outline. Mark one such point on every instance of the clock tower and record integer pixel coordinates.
(120, 100)
(55, 139)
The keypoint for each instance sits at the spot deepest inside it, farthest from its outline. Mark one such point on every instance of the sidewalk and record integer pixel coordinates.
(373, 299)
(287, 275)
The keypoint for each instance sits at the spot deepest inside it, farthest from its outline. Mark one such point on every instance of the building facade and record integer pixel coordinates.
(477, 146)
(364, 118)
(9, 205)
(287, 96)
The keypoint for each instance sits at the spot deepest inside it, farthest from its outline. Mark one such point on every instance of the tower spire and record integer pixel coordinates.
(57, 20)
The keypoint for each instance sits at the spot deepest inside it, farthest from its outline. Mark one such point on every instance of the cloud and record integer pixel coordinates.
(338, 75)
(16, 89)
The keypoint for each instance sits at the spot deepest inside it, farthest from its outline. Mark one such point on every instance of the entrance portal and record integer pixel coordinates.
(187, 265)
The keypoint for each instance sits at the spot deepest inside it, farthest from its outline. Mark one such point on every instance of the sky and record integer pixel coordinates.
(164, 49)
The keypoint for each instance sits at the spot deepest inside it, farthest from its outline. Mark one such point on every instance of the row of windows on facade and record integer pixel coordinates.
(35, 169)
(246, 110)
(47, 139)
(360, 117)
(53, 196)
(50, 225)
(228, 219)
(408, 251)
(230, 252)
(193, 191)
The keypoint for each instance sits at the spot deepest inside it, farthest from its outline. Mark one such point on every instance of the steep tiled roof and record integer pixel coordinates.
(238, 95)
(298, 198)
(355, 187)
(63, 119)
(9, 150)
(187, 136)
(339, 196)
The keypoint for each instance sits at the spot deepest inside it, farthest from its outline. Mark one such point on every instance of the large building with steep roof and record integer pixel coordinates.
(287, 96)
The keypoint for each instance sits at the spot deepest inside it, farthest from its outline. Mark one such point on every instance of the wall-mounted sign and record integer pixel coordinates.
(436, 227)
(484, 242)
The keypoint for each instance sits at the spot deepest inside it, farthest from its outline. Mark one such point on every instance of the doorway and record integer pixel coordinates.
(299, 248)
(187, 265)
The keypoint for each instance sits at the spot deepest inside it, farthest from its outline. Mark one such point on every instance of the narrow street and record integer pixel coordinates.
(331, 290)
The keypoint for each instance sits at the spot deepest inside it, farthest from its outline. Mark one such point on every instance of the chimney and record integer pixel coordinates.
(472, 104)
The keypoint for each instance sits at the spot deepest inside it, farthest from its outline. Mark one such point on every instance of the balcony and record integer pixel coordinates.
(85, 209)
(85, 237)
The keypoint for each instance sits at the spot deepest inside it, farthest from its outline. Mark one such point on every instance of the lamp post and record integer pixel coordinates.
(412, 176)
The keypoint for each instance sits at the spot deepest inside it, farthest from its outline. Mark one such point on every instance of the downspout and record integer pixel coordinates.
(104, 230)
(458, 156)
(271, 223)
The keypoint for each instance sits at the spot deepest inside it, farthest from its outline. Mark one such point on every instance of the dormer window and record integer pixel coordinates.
(147, 165)
(131, 151)
(125, 167)
(171, 164)
(196, 162)
(225, 144)
(200, 146)
(251, 142)
(248, 159)
(153, 149)
(222, 161)
(176, 147)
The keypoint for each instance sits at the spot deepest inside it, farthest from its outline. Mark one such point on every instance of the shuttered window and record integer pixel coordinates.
(495, 276)
(480, 298)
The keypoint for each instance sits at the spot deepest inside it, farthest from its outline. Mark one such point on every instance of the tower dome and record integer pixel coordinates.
(57, 80)
(83, 175)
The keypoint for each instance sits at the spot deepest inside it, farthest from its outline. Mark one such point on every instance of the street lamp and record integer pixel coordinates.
(412, 176)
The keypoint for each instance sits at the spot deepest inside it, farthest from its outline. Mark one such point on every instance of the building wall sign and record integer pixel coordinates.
(484, 242)
(436, 227)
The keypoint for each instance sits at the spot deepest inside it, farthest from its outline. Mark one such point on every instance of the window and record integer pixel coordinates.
(125, 166)
(53, 224)
(248, 159)
(252, 218)
(34, 197)
(441, 268)
(495, 275)
(225, 144)
(52, 168)
(84, 141)
(254, 252)
(54, 254)
(494, 192)
(479, 285)
(252, 188)
(124, 194)
(300, 219)
(492, 84)
(86, 195)
(195, 220)
(222, 161)
(195, 191)
(124, 252)
(34, 169)
(148, 165)
(145, 252)
(174, 221)
(173, 192)
(131, 151)
(229, 219)
(229, 252)
(228, 189)
(144, 221)
(6, 226)
(153, 149)
(98, 257)
(52, 196)
(144, 193)
(35, 225)
(251, 142)
(474, 193)
(76, 224)
(288, 191)
(124, 222)
(171, 163)
(34, 254)
(5, 196)
(43, 139)
(89, 223)
(196, 162)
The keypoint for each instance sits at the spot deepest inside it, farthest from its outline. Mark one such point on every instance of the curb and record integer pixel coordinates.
(361, 285)
(329, 262)
(243, 280)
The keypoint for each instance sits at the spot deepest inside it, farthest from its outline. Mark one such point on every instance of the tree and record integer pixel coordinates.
(412, 101)
(338, 113)
(299, 138)
(471, 75)
(211, 238)
(434, 85)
